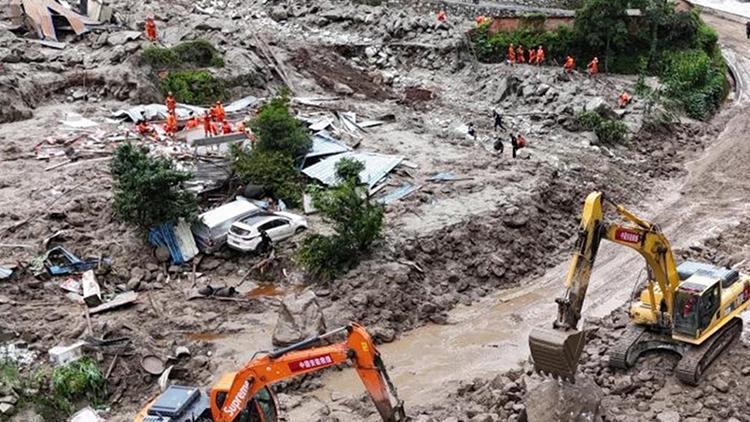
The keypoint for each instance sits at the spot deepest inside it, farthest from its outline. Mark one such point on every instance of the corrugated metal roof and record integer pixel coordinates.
(325, 144)
(377, 166)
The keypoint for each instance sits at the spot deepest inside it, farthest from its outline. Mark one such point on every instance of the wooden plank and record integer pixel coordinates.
(119, 300)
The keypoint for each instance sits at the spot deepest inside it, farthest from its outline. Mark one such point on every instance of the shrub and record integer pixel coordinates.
(356, 222)
(272, 169)
(160, 58)
(194, 87)
(277, 130)
(80, 380)
(589, 120)
(696, 82)
(189, 54)
(611, 131)
(607, 131)
(148, 191)
(200, 53)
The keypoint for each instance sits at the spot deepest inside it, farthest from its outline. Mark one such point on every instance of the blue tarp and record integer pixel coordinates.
(163, 235)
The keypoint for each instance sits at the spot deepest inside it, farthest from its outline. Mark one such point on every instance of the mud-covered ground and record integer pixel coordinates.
(449, 245)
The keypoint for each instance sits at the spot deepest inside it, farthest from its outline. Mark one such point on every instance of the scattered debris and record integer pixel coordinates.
(447, 176)
(152, 364)
(405, 190)
(59, 261)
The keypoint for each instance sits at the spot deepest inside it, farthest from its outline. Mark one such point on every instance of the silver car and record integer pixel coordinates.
(245, 235)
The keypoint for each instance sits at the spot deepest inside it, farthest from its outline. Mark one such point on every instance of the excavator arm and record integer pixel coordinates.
(557, 350)
(301, 358)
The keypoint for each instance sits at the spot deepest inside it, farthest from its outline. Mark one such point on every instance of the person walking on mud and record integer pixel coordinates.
(747, 30)
(498, 120)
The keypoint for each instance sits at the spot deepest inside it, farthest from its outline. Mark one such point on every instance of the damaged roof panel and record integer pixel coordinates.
(325, 144)
(377, 166)
(40, 13)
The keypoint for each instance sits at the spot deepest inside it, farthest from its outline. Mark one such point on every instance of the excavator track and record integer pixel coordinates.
(696, 359)
(621, 355)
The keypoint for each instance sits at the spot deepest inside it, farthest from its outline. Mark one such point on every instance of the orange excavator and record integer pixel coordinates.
(245, 395)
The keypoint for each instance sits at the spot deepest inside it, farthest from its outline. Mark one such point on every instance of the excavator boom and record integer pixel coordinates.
(233, 397)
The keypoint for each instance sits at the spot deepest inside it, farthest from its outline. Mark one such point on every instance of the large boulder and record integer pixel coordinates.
(300, 317)
(559, 401)
(599, 105)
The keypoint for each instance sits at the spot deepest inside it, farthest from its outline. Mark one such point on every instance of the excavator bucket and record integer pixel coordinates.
(556, 352)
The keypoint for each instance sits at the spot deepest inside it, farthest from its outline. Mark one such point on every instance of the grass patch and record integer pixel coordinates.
(55, 395)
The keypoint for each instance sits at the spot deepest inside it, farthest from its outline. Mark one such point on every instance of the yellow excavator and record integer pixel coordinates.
(692, 309)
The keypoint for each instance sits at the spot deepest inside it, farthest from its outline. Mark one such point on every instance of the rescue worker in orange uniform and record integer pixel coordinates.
(171, 125)
(569, 65)
(170, 103)
(624, 99)
(143, 128)
(520, 55)
(442, 16)
(150, 29)
(539, 55)
(240, 127)
(219, 113)
(532, 56)
(594, 66)
(208, 127)
(192, 122)
(226, 128)
(511, 55)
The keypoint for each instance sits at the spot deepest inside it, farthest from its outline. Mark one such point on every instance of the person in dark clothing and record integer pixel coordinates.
(265, 244)
(498, 146)
(472, 132)
(747, 30)
(498, 120)
(514, 144)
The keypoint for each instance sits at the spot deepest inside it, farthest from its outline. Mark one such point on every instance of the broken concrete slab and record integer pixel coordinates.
(61, 355)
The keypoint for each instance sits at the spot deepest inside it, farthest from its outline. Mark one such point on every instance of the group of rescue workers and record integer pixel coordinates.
(214, 121)
(518, 55)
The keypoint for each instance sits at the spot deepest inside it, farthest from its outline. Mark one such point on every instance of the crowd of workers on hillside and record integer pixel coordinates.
(536, 57)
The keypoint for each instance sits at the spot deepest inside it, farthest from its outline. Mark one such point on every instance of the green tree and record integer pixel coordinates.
(601, 24)
(272, 169)
(147, 190)
(278, 130)
(356, 222)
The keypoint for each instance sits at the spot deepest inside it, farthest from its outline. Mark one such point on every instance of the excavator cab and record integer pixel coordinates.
(263, 407)
(696, 305)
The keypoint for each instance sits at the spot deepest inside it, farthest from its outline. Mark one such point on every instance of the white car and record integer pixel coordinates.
(245, 235)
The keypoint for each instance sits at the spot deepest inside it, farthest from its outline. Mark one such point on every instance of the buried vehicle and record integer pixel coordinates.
(210, 231)
(692, 309)
(245, 395)
(247, 235)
